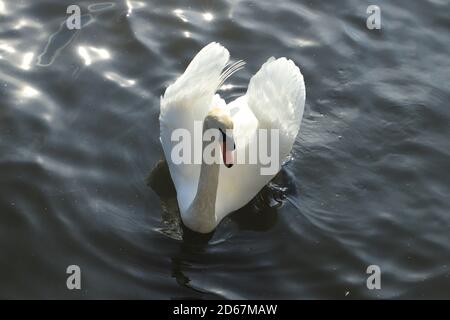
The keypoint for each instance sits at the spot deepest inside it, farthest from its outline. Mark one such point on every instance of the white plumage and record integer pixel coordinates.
(274, 100)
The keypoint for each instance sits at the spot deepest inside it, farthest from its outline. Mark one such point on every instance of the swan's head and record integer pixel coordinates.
(219, 119)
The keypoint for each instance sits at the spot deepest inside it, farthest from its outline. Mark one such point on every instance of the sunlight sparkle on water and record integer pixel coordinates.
(2, 7)
(26, 61)
(130, 8)
(226, 87)
(180, 14)
(208, 16)
(121, 81)
(93, 54)
(29, 92)
(6, 47)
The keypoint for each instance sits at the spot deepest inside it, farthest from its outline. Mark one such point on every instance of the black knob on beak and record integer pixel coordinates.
(228, 145)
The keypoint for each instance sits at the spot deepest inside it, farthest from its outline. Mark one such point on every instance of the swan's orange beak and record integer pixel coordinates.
(227, 145)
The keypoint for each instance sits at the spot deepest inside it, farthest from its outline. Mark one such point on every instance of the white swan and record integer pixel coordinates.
(275, 98)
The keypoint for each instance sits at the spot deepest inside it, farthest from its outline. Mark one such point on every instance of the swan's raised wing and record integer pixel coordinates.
(275, 99)
(186, 101)
(276, 95)
(191, 94)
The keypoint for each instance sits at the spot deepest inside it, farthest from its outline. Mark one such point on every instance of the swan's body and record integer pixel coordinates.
(275, 99)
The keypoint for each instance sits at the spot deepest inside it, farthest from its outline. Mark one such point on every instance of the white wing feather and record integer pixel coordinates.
(275, 99)
(188, 100)
(276, 95)
(192, 92)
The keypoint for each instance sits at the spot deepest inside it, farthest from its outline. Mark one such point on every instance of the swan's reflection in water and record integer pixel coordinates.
(260, 215)
(192, 245)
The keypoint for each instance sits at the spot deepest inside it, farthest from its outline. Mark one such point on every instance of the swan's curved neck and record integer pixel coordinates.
(201, 212)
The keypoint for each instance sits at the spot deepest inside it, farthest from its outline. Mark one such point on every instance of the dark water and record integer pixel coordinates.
(368, 183)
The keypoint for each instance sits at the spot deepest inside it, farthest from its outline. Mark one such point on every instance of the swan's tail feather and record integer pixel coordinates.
(230, 70)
